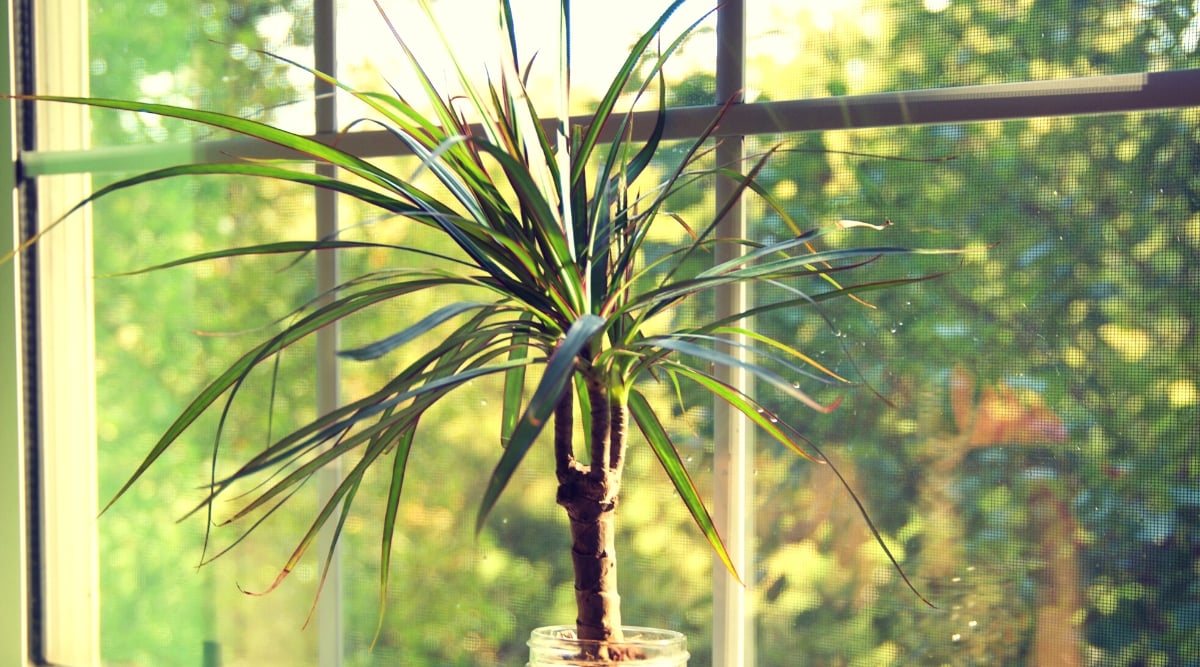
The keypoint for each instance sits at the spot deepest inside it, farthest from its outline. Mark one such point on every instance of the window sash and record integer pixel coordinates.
(1112, 93)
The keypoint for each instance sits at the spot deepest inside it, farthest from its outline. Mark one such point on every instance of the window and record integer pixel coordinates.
(1034, 473)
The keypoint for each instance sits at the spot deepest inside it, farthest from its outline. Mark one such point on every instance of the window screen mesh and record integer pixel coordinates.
(161, 337)
(201, 54)
(1034, 476)
(798, 50)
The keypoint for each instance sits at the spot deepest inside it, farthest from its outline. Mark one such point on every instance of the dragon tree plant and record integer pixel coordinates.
(546, 221)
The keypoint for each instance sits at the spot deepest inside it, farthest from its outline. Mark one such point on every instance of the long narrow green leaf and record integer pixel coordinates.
(779, 248)
(237, 372)
(342, 497)
(346, 504)
(460, 348)
(231, 169)
(602, 115)
(385, 435)
(776, 428)
(770, 424)
(762, 351)
(585, 414)
(809, 300)
(278, 248)
(390, 517)
(644, 156)
(667, 295)
(776, 344)
(723, 209)
(460, 360)
(514, 386)
(624, 73)
(424, 325)
(558, 370)
(249, 128)
(671, 463)
(533, 200)
(441, 108)
(722, 359)
(424, 138)
(613, 181)
(233, 376)
(437, 387)
(205, 559)
(347, 487)
(803, 265)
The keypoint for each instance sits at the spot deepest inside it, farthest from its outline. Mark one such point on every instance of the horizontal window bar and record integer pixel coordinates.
(1060, 97)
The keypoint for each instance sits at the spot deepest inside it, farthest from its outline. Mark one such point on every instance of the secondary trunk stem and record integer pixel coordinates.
(564, 425)
(601, 456)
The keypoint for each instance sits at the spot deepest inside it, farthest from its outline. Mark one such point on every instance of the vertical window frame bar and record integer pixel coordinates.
(733, 453)
(68, 583)
(330, 607)
(14, 574)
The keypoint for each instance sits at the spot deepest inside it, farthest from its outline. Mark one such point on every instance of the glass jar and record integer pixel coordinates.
(556, 645)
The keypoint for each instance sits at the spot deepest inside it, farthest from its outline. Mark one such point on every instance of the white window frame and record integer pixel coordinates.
(68, 489)
(67, 575)
(14, 626)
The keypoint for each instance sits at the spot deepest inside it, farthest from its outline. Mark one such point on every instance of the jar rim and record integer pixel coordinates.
(634, 635)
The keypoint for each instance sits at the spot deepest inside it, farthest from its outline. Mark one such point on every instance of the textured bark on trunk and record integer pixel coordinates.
(589, 494)
(591, 507)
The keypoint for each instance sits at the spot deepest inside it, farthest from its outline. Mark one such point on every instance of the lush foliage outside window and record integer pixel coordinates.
(1036, 474)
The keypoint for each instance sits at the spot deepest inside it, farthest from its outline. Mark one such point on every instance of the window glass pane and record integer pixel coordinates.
(1036, 477)
(818, 49)
(370, 59)
(202, 55)
(161, 338)
(1033, 475)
